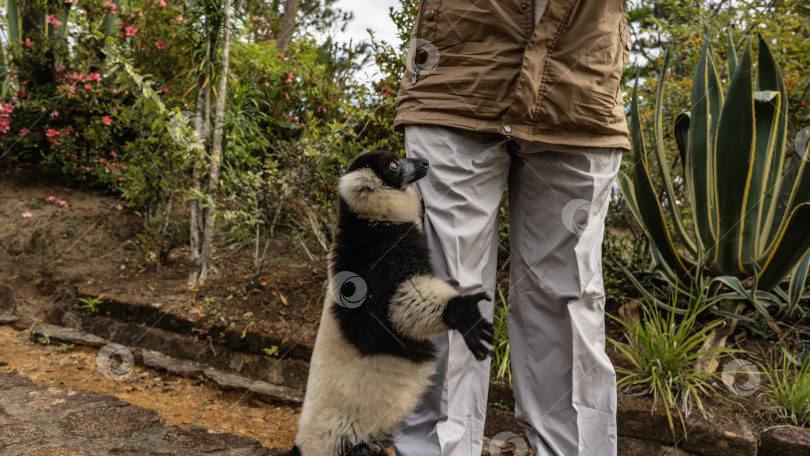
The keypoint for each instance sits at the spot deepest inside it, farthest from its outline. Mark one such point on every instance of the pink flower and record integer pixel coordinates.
(102, 160)
(286, 95)
(51, 133)
(51, 19)
(61, 202)
(165, 90)
(106, 120)
(113, 154)
(121, 178)
(181, 19)
(290, 77)
(160, 44)
(51, 199)
(109, 5)
(88, 87)
(54, 114)
(70, 1)
(94, 77)
(130, 31)
(143, 46)
(27, 214)
(805, 103)
(28, 43)
(163, 3)
(24, 131)
(385, 90)
(287, 117)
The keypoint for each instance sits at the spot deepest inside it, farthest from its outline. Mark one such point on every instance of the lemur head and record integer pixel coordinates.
(377, 187)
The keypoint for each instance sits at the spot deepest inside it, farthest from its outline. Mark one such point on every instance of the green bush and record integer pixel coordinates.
(742, 234)
(663, 351)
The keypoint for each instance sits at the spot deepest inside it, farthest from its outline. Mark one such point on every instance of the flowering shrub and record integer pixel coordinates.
(62, 110)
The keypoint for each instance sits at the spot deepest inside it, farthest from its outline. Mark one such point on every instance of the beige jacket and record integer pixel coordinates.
(483, 65)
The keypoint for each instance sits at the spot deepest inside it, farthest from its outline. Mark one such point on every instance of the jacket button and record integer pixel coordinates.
(507, 128)
(430, 14)
(524, 6)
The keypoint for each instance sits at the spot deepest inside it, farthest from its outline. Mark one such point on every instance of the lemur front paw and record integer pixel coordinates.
(462, 314)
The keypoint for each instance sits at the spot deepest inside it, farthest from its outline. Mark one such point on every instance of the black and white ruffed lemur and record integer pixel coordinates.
(373, 356)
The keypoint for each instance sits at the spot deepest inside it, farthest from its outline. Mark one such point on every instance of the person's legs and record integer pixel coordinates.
(564, 383)
(462, 193)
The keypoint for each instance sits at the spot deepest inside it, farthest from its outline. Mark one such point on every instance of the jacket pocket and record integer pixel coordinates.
(580, 88)
(430, 15)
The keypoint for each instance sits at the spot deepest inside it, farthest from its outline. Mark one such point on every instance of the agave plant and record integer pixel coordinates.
(738, 236)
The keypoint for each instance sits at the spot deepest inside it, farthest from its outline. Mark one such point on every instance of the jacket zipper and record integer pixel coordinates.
(416, 35)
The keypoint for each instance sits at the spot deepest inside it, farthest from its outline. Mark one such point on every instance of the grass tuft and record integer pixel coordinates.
(663, 350)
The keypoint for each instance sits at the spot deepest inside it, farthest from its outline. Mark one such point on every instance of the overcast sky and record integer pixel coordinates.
(371, 14)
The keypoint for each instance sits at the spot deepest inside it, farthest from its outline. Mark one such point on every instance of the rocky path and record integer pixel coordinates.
(54, 402)
(66, 421)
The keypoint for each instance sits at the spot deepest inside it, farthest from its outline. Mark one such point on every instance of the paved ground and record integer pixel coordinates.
(64, 421)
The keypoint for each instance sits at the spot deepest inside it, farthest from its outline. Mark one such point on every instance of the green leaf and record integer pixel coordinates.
(649, 208)
(108, 23)
(733, 159)
(790, 245)
(707, 100)
(732, 54)
(770, 79)
(796, 289)
(766, 110)
(13, 18)
(663, 162)
(680, 129)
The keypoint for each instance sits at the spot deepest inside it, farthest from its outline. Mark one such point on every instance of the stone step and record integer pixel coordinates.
(264, 390)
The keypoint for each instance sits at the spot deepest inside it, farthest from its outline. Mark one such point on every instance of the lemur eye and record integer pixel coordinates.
(393, 165)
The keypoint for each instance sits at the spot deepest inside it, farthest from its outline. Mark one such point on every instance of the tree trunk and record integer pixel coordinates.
(287, 24)
(204, 208)
(196, 205)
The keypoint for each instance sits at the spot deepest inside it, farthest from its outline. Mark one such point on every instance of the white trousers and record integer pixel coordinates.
(564, 383)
